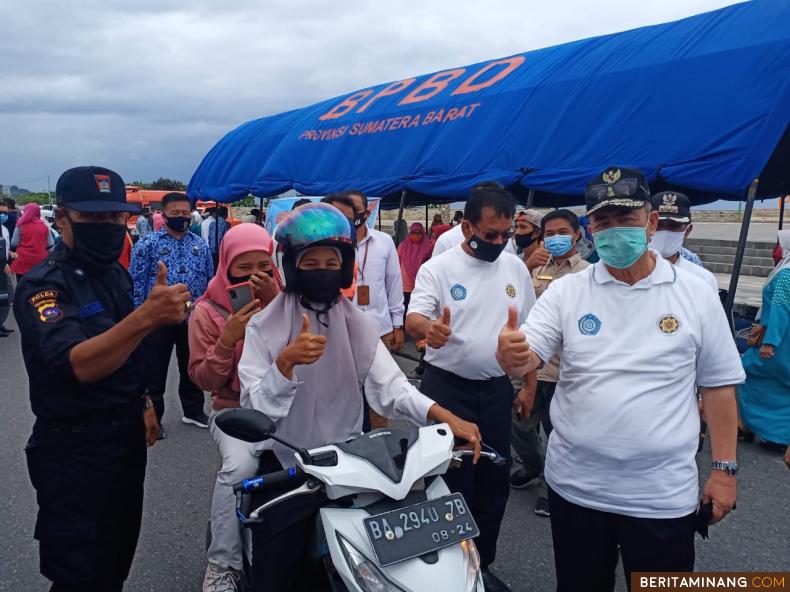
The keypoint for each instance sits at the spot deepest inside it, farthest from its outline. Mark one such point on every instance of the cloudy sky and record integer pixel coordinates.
(146, 87)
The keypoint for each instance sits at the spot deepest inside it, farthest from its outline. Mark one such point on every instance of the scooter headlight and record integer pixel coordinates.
(367, 575)
(472, 561)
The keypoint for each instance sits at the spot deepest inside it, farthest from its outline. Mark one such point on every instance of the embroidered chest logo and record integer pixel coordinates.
(589, 324)
(46, 305)
(511, 290)
(458, 292)
(668, 324)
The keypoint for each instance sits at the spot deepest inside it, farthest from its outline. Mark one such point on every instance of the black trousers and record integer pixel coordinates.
(485, 487)
(159, 346)
(89, 487)
(280, 558)
(587, 542)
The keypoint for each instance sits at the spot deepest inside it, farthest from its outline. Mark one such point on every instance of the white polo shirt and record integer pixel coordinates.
(698, 271)
(448, 240)
(625, 413)
(478, 294)
(378, 267)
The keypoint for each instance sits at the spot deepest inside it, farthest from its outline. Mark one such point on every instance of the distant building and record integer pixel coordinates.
(5, 190)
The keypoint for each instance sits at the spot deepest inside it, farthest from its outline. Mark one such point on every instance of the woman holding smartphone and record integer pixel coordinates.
(245, 282)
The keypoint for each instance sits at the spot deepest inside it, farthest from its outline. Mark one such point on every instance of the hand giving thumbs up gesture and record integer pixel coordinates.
(439, 331)
(307, 348)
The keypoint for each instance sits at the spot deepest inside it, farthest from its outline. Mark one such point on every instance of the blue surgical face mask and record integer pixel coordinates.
(559, 244)
(620, 247)
(3, 218)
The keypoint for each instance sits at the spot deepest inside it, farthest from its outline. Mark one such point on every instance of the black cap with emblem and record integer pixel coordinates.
(673, 206)
(93, 189)
(617, 187)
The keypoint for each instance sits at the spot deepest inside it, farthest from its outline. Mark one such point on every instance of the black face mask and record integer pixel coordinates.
(97, 245)
(177, 223)
(359, 220)
(319, 286)
(524, 240)
(238, 279)
(484, 250)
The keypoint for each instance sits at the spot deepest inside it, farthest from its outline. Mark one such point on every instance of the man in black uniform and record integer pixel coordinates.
(87, 454)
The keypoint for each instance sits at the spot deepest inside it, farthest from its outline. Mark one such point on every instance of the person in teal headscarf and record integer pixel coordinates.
(764, 399)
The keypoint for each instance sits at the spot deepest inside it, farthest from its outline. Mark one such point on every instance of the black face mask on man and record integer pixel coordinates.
(524, 240)
(319, 286)
(484, 250)
(177, 223)
(97, 245)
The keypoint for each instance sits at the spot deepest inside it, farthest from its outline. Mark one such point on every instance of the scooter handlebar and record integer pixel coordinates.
(266, 480)
(491, 455)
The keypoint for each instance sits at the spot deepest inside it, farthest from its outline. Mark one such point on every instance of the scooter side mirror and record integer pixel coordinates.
(248, 425)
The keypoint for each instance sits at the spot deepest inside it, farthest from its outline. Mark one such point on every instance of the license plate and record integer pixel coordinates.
(415, 530)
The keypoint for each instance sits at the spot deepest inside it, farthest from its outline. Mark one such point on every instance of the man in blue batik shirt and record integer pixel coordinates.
(188, 261)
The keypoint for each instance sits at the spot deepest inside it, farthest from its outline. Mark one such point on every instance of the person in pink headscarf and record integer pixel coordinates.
(413, 252)
(216, 338)
(31, 240)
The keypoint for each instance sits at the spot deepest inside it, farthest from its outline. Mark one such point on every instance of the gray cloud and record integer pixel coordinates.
(147, 87)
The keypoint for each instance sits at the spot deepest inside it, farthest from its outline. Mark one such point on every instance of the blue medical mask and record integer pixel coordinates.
(620, 247)
(559, 244)
(3, 218)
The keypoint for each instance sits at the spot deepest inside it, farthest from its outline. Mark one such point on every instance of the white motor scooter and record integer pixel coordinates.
(389, 523)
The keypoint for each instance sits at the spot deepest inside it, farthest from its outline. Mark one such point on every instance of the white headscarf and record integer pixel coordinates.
(327, 407)
(784, 262)
(784, 243)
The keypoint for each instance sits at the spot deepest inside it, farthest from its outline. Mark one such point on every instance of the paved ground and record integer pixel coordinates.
(170, 555)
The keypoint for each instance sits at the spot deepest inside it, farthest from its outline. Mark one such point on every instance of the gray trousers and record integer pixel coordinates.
(525, 435)
(238, 462)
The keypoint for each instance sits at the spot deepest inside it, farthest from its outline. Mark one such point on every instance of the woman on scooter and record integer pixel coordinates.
(216, 337)
(308, 360)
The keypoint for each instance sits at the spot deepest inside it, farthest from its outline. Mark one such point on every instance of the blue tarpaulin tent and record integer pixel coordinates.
(700, 105)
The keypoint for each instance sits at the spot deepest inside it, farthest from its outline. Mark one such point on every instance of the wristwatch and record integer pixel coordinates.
(147, 402)
(728, 466)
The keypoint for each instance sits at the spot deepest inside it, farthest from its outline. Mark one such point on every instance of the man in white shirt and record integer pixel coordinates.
(674, 227)
(205, 226)
(448, 240)
(379, 285)
(459, 302)
(378, 281)
(636, 337)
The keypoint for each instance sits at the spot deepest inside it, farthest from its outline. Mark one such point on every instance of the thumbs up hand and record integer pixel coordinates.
(166, 305)
(439, 331)
(161, 274)
(513, 352)
(306, 348)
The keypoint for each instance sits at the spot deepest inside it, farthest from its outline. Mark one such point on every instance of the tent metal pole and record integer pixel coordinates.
(400, 214)
(379, 216)
(530, 198)
(260, 218)
(402, 204)
(426, 216)
(736, 267)
(782, 200)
